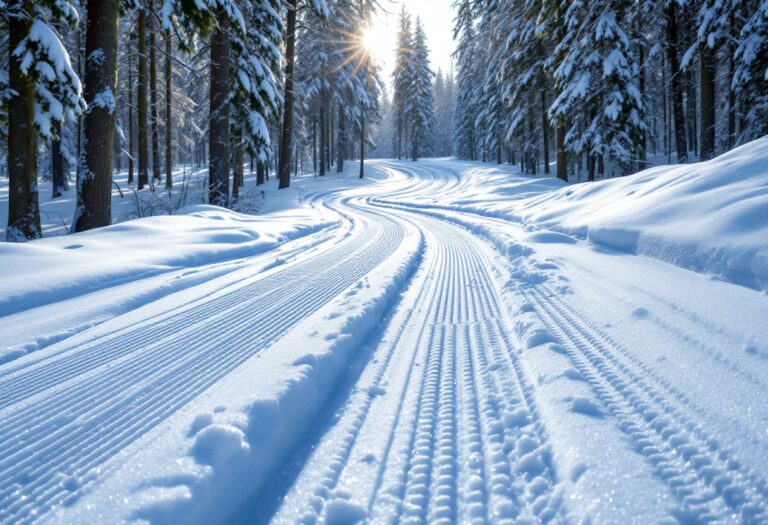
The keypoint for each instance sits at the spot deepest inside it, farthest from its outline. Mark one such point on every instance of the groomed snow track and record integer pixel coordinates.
(491, 391)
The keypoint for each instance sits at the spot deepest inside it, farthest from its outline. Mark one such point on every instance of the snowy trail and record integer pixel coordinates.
(414, 362)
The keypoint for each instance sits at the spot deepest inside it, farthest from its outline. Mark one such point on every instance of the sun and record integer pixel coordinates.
(375, 40)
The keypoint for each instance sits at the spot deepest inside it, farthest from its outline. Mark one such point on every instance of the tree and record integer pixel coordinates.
(402, 77)
(45, 93)
(94, 178)
(596, 73)
(420, 102)
(466, 108)
(143, 153)
(218, 135)
(168, 108)
(287, 134)
(153, 93)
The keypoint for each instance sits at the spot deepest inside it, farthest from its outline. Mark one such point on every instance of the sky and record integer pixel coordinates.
(437, 18)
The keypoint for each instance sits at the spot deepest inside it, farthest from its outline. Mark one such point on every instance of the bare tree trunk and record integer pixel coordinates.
(681, 144)
(218, 171)
(362, 142)
(94, 180)
(314, 145)
(23, 204)
(153, 94)
(323, 137)
(707, 74)
(168, 121)
(562, 159)
(260, 169)
(341, 139)
(286, 140)
(545, 131)
(130, 113)
(59, 182)
(143, 137)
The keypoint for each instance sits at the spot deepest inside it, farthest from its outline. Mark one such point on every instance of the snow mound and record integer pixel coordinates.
(710, 217)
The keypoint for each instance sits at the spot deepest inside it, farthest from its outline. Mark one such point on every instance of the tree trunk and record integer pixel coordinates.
(59, 182)
(362, 142)
(341, 139)
(168, 122)
(153, 94)
(286, 140)
(218, 170)
(562, 159)
(143, 137)
(707, 74)
(314, 146)
(94, 180)
(545, 131)
(130, 113)
(323, 139)
(681, 144)
(260, 169)
(591, 168)
(23, 204)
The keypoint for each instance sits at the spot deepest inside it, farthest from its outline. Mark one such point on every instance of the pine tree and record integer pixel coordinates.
(596, 46)
(45, 93)
(402, 82)
(420, 105)
(466, 85)
(751, 74)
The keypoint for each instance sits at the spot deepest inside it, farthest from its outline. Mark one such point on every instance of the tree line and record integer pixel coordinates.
(145, 85)
(608, 84)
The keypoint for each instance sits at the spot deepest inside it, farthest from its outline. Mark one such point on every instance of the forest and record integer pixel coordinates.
(597, 89)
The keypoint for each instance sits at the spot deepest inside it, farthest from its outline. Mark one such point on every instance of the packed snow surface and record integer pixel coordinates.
(440, 342)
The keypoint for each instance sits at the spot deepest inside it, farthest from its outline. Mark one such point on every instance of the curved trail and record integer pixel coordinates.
(492, 391)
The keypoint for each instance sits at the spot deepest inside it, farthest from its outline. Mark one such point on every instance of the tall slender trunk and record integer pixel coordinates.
(676, 85)
(130, 112)
(59, 182)
(218, 170)
(94, 179)
(641, 65)
(286, 142)
(261, 167)
(142, 109)
(731, 72)
(545, 131)
(168, 122)
(23, 204)
(341, 140)
(314, 145)
(707, 72)
(362, 142)
(237, 170)
(323, 138)
(692, 113)
(562, 159)
(153, 94)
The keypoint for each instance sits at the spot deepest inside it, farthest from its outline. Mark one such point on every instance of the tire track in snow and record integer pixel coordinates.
(450, 450)
(42, 463)
(711, 485)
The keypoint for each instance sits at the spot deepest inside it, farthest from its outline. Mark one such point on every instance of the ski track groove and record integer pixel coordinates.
(156, 389)
(708, 482)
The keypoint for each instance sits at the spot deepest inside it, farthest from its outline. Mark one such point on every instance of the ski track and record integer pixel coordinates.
(442, 424)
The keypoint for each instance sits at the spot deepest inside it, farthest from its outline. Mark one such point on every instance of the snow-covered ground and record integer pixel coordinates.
(443, 341)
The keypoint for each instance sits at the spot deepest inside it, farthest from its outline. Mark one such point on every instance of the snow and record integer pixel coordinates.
(442, 341)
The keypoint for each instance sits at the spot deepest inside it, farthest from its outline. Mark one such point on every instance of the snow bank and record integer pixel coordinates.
(710, 217)
(89, 261)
